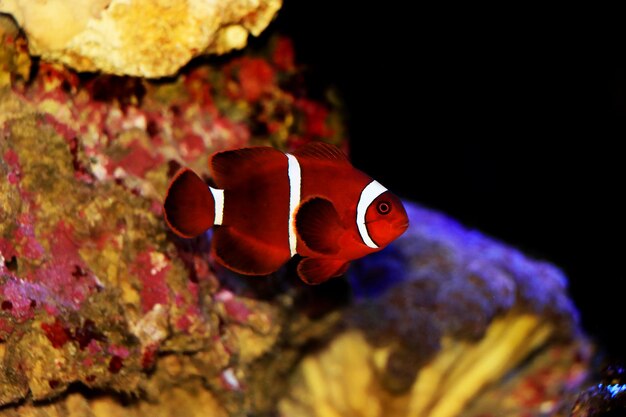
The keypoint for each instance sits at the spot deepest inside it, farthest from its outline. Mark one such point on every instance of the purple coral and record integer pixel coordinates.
(443, 279)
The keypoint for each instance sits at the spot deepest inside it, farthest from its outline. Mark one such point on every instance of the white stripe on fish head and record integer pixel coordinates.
(369, 194)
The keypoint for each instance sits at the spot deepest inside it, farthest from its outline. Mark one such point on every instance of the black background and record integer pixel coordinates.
(510, 120)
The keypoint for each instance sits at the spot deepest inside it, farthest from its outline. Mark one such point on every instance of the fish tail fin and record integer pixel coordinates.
(189, 207)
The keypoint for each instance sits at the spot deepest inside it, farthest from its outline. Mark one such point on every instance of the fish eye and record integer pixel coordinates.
(384, 207)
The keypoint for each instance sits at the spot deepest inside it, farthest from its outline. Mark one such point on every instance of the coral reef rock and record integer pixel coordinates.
(102, 310)
(607, 396)
(447, 322)
(149, 38)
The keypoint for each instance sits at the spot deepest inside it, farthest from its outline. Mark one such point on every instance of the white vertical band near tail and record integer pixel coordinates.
(295, 182)
(218, 197)
(369, 194)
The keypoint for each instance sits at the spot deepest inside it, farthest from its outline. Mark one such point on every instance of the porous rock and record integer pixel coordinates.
(96, 295)
(150, 38)
(104, 312)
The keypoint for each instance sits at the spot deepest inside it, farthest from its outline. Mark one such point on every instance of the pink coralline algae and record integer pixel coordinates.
(153, 278)
(128, 127)
(236, 310)
(60, 279)
(93, 287)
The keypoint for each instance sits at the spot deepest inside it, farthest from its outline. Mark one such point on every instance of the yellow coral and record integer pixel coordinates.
(343, 380)
(151, 38)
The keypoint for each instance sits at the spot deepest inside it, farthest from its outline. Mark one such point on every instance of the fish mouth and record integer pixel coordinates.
(403, 226)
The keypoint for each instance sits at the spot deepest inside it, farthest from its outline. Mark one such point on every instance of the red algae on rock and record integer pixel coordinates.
(250, 78)
(93, 288)
(154, 288)
(57, 334)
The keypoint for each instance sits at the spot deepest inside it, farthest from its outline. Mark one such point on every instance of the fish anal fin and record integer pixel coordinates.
(318, 225)
(322, 151)
(314, 271)
(246, 255)
(233, 167)
(189, 207)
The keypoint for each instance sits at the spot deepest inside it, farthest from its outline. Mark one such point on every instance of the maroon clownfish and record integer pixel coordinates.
(269, 206)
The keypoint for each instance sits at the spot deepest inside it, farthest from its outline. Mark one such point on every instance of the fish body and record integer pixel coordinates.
(269, 206)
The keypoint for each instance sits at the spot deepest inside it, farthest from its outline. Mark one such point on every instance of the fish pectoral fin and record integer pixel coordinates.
(317, 270)
(246, 255)
(318, 225)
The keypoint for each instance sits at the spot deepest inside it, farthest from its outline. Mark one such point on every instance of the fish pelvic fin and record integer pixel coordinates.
(189, 206)
(314, 271)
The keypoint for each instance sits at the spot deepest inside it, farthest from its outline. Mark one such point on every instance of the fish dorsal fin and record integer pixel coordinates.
(232, 167)
(317, 270)
(318, 225)
(321, 150)
(246, 255)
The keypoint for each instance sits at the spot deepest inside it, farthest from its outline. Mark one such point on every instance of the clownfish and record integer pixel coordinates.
(268, 206)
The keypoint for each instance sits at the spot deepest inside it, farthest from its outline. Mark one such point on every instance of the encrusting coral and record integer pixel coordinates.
(94, 291)
(441, 316)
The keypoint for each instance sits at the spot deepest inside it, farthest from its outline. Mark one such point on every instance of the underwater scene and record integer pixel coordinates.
(308, 209)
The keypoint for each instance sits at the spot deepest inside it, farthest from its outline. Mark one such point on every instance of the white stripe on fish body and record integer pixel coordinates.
(295, 183)
(369, 194)
(218, 197)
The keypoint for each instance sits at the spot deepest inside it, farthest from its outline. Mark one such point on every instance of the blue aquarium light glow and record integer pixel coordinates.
(613, 389)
